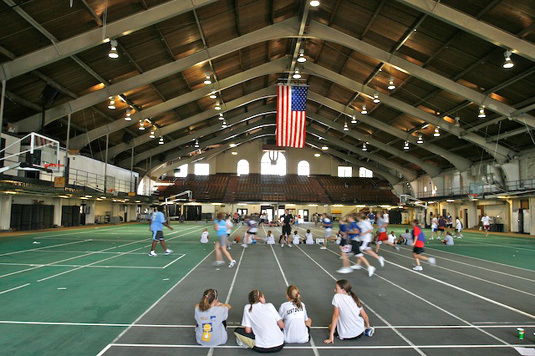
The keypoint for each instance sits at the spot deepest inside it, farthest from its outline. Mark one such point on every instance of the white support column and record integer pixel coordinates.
(90, 218)
(57, 211)
(473, 221)
(5, 212)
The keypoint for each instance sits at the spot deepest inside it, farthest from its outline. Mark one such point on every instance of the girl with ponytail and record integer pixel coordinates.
(211, 317)
(262, 325)
(294, 315)
(349, 320)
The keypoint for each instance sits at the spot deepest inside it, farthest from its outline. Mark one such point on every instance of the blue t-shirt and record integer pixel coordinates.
(328, 223)
(156, 221)
(344, 228)
(353, 226)
(222, 227)
(380, 222)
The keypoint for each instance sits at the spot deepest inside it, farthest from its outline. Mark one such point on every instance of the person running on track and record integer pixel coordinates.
(485, 220)
(345, 246)
(434, 227)
(220, 227)
(418, 247)
(366, 230)
(458, 228)
(326, 223)
(354, 234)
(383, 237)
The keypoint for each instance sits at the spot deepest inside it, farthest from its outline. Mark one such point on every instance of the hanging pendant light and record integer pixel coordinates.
(508, 62)
(217, 106)
(113, 54)
(346, 128)
(391, 85)
(437, 131)
(161, 141)
(128, 114)
(297, 74)
(221, 117)
(482, 114)
(406, 145)
(213, 95)
(301, 58)
(354, 119)
(152, 134)
(224, 124)
(141, 125)
(376, 99)
(111, 104)
(196, 143)
(364, 110)
(420, 140)
(364, 147)
(207, 79)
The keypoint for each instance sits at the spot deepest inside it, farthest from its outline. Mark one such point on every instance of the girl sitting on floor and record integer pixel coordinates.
(261, 326)
(294, 315)
(270, 239)
(349, 320)
(309, 238)
(211, 317)
(296, 238)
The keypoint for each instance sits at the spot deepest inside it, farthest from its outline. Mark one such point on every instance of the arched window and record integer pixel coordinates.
(303, 168)
(365, 173)
(243, 167)
(274, 163)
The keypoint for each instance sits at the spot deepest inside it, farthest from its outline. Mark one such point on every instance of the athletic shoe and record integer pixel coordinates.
(232, 264)
(344, 270)
(382, 261)
(418, 268)
(282, 245)
(241, 344)
(289, 245)
(168, 252)
(244, 245)
(370, 331)
(356, 266)
(396, 247)
(218, 263)
(371, 271)
(323, 248)
(152, 254)
(432, 261)
(228, 248)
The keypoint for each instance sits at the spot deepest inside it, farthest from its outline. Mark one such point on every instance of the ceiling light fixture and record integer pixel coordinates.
(391, 85)
(111, 104)
(301, 58)
(196, 143)
(420, 139)
(152, 134)
(457, 121)
(364, 111)
(221, 117)
(354, 119)
(325, 148)
(364, 147)
(317, 155)
(233, 145)
(376, 99)
(218, 106)
(213, 95)
(482, 114)
(128, 114)
(508, 62)
(437, 131)
(207, 79)
(406, 145)
(314, 3)
(141, 125)
(346, 128)
(224, 124)
(113, 54)
(161, 141)
(297, 75)
(234, 153)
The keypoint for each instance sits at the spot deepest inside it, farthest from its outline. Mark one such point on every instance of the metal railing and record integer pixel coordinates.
(508, 187)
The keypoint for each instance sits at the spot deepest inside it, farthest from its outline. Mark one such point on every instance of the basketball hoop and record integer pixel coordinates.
(273, 157)
(472, 197)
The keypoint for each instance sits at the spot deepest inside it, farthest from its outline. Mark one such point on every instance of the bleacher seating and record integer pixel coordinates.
(290, 188)
(354, 190)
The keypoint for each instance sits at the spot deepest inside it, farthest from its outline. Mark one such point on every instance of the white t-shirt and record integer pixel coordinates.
(485, 220)
(391, 238)
(296, 238)
(386, 217)
(449, 240)
(310, 239)
(270, 239)
(364, 226)
(350, 323)
(458, 225)
(229, 226)
(434, 223)
(204, 237)
(263, 320)
(295, 330)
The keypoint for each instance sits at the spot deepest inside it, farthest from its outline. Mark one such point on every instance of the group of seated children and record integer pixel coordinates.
(265, 330)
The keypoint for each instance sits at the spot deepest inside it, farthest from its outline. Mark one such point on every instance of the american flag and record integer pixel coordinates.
(291, 115)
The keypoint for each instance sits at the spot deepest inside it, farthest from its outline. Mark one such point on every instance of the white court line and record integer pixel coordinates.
(499, 325)
(87, 251)
(469, 276)
(12, 289)
(173, 261)
(153, 305)
(367, 306)
(43, 265)
(102, 260)
(41, 248)
(343, 347)
(312, 343)
(505, 306)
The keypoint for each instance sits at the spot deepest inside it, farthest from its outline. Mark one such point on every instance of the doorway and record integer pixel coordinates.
(242, 212)
(465, 218)
(304, 214)
(269, 211)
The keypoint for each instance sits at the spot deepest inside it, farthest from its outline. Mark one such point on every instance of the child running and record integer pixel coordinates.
(366, 237)
(349, 320)
(220, 226)
(383, 237)
(157, 222)
(418, 247)
(326, 223)
(261, 326)
(458, 228)
(211, 317)
(345, 246)
(354, 233)
(294, 315)
(434, 227)
(252, 229)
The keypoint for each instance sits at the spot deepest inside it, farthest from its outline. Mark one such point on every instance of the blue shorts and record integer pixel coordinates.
(434, 229)
(158, 235)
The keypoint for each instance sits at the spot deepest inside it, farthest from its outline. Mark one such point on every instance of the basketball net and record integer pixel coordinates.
(273, 157)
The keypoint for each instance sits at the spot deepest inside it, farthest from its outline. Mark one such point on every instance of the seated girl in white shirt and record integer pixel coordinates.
(205, 236)
(261, 325)
(270, 239)
(294, 315)
(349, 320)
(296, 238)
(309, 237)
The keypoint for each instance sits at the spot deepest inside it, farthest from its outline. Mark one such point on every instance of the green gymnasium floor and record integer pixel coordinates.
(95, 290)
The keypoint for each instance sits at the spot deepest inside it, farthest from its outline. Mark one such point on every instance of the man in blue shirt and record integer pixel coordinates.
(157, 222)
